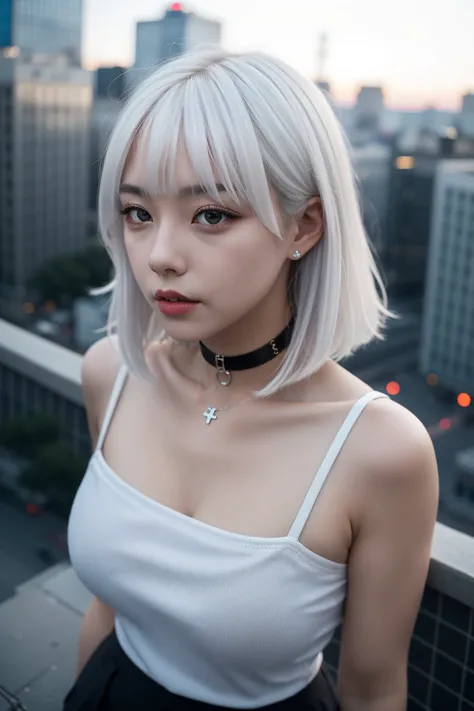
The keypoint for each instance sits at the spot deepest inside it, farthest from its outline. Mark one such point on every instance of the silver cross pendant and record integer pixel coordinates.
(210, 414)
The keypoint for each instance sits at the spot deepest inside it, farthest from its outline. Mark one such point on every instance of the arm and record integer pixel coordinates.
(389, 560)
(99, 369)
(98, 623)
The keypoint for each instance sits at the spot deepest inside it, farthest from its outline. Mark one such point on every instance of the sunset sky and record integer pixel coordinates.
(420, 51)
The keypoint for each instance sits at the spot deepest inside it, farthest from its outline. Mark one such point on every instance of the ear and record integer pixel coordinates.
(309, 228)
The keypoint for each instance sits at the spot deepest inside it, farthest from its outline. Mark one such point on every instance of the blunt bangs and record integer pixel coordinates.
(213, 129)
(253, 124)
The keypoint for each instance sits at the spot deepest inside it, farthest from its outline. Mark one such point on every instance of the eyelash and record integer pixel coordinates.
(125, 211)
(215, 208)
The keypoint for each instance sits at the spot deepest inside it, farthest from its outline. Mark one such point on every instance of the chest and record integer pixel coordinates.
(247, 472)
(179, 579)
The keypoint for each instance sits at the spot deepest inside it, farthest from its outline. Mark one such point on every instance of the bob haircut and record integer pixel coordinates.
(251, 122)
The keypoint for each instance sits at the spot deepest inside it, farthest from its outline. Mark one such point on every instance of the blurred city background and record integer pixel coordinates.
(401, 81)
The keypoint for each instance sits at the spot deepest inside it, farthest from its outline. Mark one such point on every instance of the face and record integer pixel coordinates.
(218, 255)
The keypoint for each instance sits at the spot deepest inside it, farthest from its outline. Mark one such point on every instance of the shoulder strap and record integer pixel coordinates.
(114, 396)
(328, 461)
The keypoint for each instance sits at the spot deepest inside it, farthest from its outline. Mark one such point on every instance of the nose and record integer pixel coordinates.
(166, 257)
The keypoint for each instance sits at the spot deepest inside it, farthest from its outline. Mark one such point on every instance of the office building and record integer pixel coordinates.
(414, 163)
(176, 32)
(45, 107)
(367, 114)
(105, 112)
(42, 26)
(372, 163)
(448, 324)
(110, 83)
(466, 116)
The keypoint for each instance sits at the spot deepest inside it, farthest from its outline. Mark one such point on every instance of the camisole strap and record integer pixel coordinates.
(114, 396)
(328, 461)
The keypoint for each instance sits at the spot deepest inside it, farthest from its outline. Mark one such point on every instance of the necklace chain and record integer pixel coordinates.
(210, 413)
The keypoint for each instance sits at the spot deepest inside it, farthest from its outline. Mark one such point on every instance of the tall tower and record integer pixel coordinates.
(44, 154)
(42, 26)
(448, 332)
(466, 117)
(322, 56)
(176, 32)
(369, 109)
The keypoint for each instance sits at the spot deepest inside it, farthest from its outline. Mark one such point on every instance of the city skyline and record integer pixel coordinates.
(423, 58)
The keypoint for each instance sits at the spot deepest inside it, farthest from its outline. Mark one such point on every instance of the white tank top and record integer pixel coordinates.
(219, 617)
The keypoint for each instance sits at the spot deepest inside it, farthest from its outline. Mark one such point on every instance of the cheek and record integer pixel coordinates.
(137, 258)
(250, 262)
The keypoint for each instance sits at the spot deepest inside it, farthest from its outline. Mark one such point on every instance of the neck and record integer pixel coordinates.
(240, 340)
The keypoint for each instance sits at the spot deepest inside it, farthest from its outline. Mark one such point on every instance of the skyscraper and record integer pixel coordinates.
(372, 163)
(44, 165)
(42, 26)
(176, 32)
(368, 111)
(110, 87)
(448, 328)
(110, 82)
(466, 116)
(413, 171)
(6, 23)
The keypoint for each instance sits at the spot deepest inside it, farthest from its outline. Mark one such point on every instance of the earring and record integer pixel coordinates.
(296, 254)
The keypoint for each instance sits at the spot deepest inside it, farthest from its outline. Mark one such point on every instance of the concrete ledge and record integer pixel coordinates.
(45, 362)
(452, 564)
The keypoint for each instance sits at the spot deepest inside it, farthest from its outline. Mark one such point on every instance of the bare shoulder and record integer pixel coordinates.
(100, 366)
(390, 442)
(396, 456)
(397, 438)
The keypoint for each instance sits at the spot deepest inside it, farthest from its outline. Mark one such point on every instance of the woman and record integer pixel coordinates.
(227, 519)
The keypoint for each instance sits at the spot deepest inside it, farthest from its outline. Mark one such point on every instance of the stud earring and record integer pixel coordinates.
(296, 254)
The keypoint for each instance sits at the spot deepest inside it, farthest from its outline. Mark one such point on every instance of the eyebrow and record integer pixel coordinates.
(187, 191)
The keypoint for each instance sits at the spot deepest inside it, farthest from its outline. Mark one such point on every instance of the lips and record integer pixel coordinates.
(173, 297)
(176, 308)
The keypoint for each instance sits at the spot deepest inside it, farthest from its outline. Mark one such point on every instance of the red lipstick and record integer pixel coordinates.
(172, 303)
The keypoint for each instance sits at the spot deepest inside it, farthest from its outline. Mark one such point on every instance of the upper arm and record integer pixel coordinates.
(99, 369)
(389, 560)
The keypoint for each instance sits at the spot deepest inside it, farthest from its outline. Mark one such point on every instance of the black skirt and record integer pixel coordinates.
(111, 682)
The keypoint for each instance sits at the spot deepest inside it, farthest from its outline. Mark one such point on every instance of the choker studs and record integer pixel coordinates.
(226, 365)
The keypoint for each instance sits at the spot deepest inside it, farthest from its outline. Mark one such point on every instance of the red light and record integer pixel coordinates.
(176, 7)
(464, 400)
(393, 388)
(444, 424)
(32, 509)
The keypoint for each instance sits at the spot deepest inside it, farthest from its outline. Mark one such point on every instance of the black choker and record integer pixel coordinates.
(226, 364)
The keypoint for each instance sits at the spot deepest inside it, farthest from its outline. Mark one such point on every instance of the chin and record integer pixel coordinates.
(183, 332)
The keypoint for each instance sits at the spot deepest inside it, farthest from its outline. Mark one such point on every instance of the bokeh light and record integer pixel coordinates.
(28, 308)
(445, 424)
(392, 388)
(432, 379)
(464, 400)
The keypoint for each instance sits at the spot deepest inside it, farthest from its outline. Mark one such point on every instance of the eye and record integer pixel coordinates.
(135, 215)
(213, 217)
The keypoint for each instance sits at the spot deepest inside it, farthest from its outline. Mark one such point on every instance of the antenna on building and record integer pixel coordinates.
(322, 55)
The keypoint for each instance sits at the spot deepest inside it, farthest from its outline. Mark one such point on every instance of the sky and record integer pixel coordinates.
(420, 51)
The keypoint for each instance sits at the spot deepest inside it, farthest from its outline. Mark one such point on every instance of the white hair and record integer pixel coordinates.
(253, 123)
